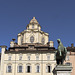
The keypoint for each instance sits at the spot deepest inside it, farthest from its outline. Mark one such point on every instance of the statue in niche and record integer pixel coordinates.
(60, 54)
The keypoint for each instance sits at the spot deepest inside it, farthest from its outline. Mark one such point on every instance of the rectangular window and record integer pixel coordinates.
(20, 57)
(48, 57)
(37, 57)
(28, 57)
(9, 57)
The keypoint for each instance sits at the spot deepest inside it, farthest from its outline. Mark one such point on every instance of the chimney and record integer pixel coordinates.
(72, 45)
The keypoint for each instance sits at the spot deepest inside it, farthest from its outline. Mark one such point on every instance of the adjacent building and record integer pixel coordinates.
(70, 58)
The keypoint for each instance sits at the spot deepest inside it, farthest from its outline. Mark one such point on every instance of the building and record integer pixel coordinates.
(32, 54)
(70, 58)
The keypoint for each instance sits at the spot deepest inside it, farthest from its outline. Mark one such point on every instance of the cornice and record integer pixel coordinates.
(31, 30)
(3, 46)
(29, 51)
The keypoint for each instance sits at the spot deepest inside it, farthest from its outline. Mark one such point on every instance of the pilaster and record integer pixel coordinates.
(3, 48)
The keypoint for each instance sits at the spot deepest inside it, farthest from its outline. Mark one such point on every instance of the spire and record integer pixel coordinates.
(34, 20)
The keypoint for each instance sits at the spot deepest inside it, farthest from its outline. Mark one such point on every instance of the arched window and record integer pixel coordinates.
(9, 68)
(20, 68)
(28, 68)
(31, 39)
(37, 68)
(43, 40)
(48, 68)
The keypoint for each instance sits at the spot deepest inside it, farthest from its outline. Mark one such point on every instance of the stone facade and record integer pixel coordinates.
(32, 54)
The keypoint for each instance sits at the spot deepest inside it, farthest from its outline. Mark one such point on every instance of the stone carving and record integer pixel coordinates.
(61, 52)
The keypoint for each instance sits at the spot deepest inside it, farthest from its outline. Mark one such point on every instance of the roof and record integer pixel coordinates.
(72, 49)
(31, 48)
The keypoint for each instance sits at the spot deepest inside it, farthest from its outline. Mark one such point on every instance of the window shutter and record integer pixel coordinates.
(22, 68)
(17, 68)
(36, 68)
(46, 68)
(26, 68)
(50, 68)
(11, 68)
(7, 69)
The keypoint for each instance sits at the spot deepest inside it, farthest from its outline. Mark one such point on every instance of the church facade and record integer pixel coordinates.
(33, 54)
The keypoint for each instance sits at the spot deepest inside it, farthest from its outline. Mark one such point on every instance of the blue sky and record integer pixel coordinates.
(57, 17)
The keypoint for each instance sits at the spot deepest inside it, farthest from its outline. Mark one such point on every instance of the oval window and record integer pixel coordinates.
(31, 39)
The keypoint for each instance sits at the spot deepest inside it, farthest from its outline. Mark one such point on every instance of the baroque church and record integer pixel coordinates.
(33, 54)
